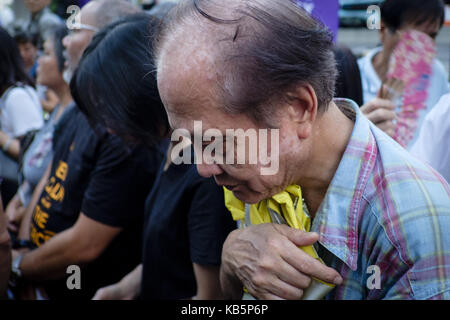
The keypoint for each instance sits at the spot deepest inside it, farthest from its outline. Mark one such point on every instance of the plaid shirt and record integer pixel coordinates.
(387, 209)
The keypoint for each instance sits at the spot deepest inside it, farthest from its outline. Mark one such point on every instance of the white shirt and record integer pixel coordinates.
(21, 111)
(433, 142)
(371, 83)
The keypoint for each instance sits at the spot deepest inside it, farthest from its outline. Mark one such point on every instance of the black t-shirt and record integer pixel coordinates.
(97, 174)
(186, 222)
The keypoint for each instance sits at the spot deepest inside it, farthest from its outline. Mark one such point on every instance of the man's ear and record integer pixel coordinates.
(302, 108)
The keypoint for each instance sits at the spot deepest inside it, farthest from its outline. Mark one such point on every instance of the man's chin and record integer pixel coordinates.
(248, 197)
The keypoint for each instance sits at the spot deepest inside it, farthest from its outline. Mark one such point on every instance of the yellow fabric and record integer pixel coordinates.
(288, 204)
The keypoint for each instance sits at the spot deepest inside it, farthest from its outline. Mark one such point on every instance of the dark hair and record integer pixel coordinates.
(395, 13)
(56, 37)
(348, 82)
(11, 64)
(273, 46)
(115, 83)
(23, 37)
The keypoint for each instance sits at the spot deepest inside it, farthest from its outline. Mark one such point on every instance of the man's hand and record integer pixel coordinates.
(126, 289)
(382, 113)
(266, 260)
(112, 292)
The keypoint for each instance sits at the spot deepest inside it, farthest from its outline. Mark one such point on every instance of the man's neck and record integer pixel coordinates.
(63, 94)
(333, 131)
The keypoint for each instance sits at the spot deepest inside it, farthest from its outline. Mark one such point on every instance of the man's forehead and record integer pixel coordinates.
(87, 13)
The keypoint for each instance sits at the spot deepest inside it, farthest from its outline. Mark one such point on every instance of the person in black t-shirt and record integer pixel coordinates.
(90, 212)
(186, 219)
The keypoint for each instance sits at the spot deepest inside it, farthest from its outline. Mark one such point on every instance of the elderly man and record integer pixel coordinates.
(379, 215)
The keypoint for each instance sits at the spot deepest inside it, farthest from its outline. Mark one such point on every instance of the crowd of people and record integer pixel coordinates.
(91, 175)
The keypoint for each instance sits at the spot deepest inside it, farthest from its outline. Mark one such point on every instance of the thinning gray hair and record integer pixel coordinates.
(110, 11)
(274, 47)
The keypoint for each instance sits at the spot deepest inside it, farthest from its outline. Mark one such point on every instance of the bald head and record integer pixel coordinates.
(108, 11)
(253, 50)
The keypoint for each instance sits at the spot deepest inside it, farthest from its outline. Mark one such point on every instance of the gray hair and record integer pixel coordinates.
(274, 46)
(109, 11)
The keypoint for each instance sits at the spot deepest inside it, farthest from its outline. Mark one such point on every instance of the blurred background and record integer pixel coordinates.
(346, 18)
(353, 31)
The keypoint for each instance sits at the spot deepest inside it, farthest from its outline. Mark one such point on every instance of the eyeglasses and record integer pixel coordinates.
(80, 26)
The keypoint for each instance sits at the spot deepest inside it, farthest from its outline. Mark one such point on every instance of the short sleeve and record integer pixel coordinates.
(115, 193)
(22, 112)
(209, 223)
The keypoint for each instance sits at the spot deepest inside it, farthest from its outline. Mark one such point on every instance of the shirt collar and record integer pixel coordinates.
(338, 217)
(369, 75)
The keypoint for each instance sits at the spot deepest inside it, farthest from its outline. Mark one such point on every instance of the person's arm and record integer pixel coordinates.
(266, 260)
(5, 253)
(10, 145)
(14, 213)
(209, 224)
(23, 116)
(128, 288)
(78, 245)
(24, 229)
(208, 282)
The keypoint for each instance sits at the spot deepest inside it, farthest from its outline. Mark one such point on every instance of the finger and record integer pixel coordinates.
(98, 295)
(298, 237)
(375, 104)
(307, 265)
(292, 276)
(388, 127)
(265, 286)
(101, 294)
(12, 227)
(268, 296)
(381, 115)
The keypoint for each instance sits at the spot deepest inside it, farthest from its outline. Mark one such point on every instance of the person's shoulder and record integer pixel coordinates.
(440, 113)
(438, 67)
(440, 75)
(407, 184)
(18, 94)
(411, 202)
(366, 59)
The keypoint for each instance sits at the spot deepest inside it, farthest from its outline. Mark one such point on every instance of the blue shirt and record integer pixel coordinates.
(385, 211)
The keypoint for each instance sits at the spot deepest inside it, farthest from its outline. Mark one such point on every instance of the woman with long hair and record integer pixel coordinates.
(39, 152)
(20, 109)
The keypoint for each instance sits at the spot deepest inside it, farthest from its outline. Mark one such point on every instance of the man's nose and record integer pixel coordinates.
(208, 170)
